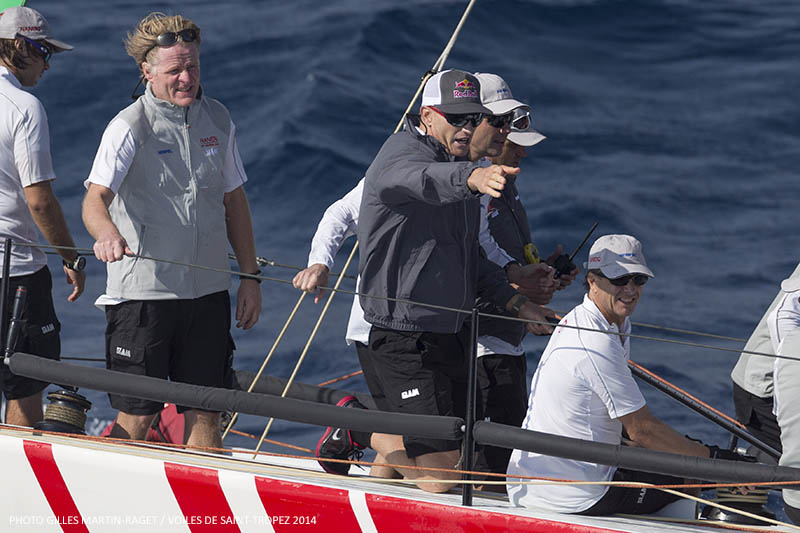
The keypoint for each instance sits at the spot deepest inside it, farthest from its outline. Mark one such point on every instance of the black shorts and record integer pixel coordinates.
(421, 373)
(756, 413)
(183, 340)
(368, 368)
(629, 500)
(39, 334)
(503, 394)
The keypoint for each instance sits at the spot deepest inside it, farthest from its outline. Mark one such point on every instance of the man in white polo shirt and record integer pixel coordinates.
(584, 389)
(27, 201)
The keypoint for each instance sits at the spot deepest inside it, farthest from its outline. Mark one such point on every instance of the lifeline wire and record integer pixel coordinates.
(441, 307)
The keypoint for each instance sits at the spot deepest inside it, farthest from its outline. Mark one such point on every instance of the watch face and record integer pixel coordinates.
(80, 263)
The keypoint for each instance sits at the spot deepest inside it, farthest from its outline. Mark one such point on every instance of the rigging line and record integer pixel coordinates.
(308, 344)
(690, 396)
(438, 65)
(677, 330)
(264, 262)
(445, 308)
(629, 335)
(267, 358)
(272, 263)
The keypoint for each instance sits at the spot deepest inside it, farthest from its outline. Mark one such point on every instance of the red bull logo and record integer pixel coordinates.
(209, 141)
(465, 89)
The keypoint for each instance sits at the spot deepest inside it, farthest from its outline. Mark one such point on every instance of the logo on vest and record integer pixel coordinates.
(209, 141)
(124, 352)
(48, 328)
(162, 152)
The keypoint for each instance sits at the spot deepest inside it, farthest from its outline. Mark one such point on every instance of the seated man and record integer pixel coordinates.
(584, 389)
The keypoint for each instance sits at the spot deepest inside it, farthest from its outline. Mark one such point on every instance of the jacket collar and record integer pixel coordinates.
(169, 110)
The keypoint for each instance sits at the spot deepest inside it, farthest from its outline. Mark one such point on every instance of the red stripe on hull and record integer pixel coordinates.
(201, 499)
(290, 505)
(398, 514)
(40, 457)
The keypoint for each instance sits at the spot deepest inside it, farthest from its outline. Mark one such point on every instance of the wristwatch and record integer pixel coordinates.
(256, 273)
(518, 301)
(77, 265)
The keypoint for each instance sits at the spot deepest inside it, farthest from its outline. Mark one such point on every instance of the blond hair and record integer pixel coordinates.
(142, 41)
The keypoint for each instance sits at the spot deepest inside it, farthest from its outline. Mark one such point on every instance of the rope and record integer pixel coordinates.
(454, 310)
(341, 378)
(308, 343)
(267, 358)
(438, 65)
(696, 399)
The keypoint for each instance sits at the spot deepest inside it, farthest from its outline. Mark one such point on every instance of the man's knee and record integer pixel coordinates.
(129, 426)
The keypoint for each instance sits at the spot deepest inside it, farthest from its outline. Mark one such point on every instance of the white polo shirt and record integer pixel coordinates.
(24, 161)
(581, 388)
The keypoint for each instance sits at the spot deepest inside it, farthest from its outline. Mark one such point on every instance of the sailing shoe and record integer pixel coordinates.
(336, 443)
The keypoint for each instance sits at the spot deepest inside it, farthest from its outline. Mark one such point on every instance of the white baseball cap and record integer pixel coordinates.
(30, 23)
(616, 256)
(496, 94)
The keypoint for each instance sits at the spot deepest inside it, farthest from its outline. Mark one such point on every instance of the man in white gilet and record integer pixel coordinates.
(167, 183)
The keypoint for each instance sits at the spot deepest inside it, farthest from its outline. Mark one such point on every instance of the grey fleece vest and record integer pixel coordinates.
(170, 204)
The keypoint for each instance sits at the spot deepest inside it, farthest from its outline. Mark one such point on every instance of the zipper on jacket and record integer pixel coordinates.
(193, 182)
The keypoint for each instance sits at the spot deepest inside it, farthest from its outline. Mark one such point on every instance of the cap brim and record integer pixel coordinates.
(58, 46)
(501, 107)
(526, 138)
(461, 108)
(619, 269)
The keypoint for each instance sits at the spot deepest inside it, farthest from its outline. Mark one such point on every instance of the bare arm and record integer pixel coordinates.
(109, 244)
(240, 235)
(647, 431)
(49, 218)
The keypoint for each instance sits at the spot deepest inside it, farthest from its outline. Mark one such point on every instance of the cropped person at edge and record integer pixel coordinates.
(28, 202)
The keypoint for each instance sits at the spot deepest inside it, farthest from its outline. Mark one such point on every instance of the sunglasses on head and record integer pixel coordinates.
(638, 280)
(169, 38)
(43, 50)
(521, 121)
(500, 121)
(462, 119)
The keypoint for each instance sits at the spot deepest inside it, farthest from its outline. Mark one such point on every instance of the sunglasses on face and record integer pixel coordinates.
(500, 121)
(462, 119)
(44, 51)
(638, 280)
(521, 121)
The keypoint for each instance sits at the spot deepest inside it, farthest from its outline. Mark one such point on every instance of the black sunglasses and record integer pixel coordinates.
(462, 119)
(169, 38)
(43, 50)
(500, 121)
(638, 280)
(166, 39)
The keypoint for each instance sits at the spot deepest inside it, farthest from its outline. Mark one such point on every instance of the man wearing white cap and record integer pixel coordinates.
(28, 201)
(584, 389)
(506, 238)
